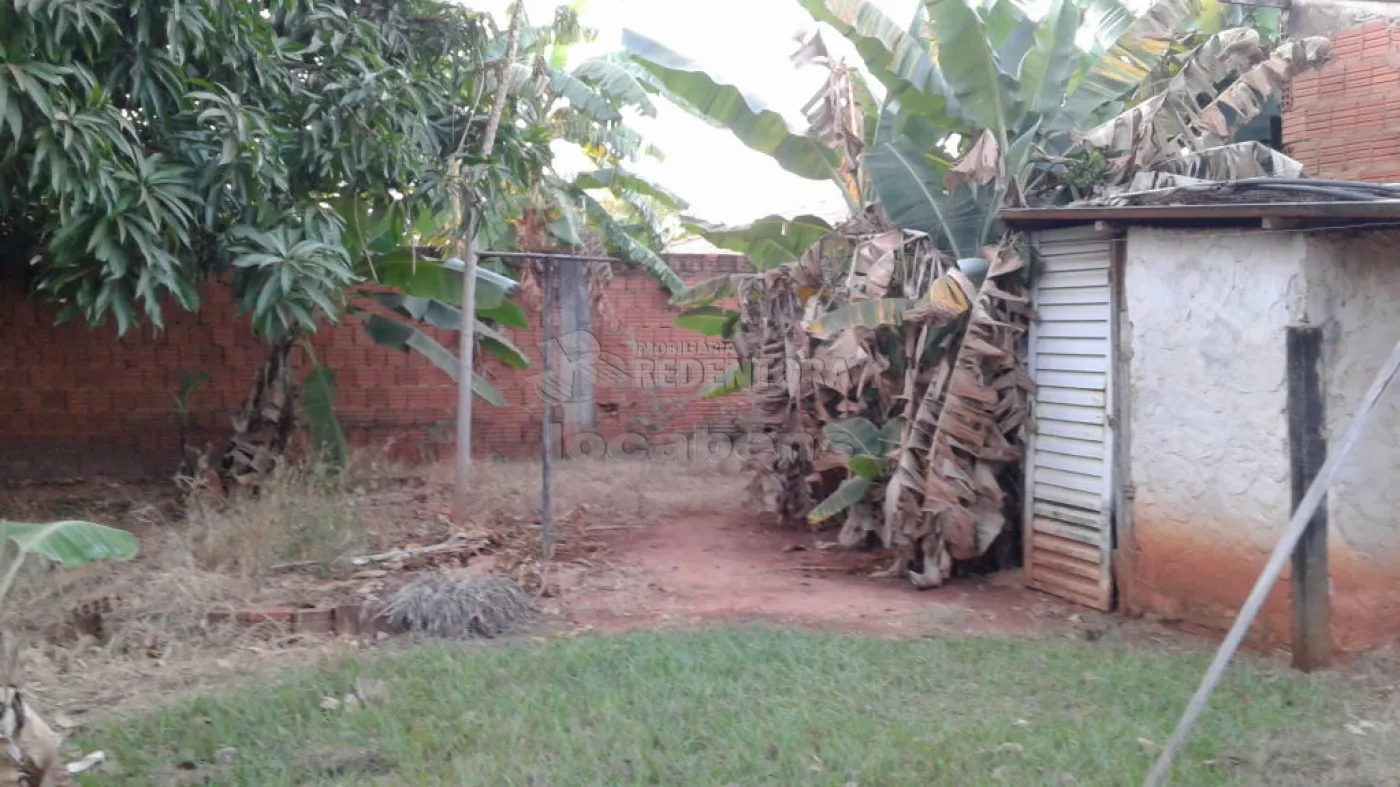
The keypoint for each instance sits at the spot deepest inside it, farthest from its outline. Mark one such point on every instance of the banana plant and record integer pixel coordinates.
(865, 449)
(68, 543)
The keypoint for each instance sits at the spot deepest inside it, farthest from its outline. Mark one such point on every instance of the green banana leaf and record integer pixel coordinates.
(986, 93)
(914, 198)
(416, 275)
(582, 97)
(854, 437)
(761, 129)
(868, 467)
(616, 237)
(405, 338)
(850, 492)
(1046, 71)
(867, 314)
(736, 378)
(1127, 46)
(440, 315)
(71, 543)
(768, 242)
(618, 179)
(612, 80)
(318, 400)
(508, 315)
(708, 291)
(898, 60)
(708, 320)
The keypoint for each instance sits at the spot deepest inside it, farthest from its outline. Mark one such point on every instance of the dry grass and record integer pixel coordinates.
(110, 634)
(303, 514)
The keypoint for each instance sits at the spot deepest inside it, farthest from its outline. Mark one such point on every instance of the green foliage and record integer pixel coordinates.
(68, 543)
(755, 125)
(708, 320)
(866, 448)
(146, 145)
(328, 442)
(736, 378)
(768, 242)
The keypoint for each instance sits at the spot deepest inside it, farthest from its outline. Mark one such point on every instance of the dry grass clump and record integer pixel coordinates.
(304, 513)
(448, 607)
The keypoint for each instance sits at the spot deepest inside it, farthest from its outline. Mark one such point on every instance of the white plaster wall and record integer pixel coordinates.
(1354, 294)
(1209, 433)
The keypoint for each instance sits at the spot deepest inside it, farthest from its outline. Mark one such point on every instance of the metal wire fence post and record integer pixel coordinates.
(546, 455)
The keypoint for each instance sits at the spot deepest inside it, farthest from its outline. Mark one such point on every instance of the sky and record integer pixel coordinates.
(742, 42)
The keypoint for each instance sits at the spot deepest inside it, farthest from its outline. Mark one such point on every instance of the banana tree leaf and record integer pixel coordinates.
(582, 96)
(71, 543)
(509, 314)
(870, 467)
(891, 433)
(866, 314)
(761, 129)
(617, 238)
(618, 179)
(416, 275)
(914, 198)
(1127, 46)
(850, 492)
(1046, 71)
(854, 437)
(404, 338)
(768, 242)
(612, 80)
(895, 123)
(440, 315)
(500, 347)
(709, 290)
(569, 227)
(1011, 33)
(736, 378)
(900, 61)
(318, 400)
(985, 92)
(435, 313)
(1232, 69)
(707, 320)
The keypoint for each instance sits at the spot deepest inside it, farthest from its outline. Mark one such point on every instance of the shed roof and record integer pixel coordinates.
(1241, 202)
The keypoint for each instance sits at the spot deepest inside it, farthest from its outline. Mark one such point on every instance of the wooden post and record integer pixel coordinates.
(1307, 451)
(1302, 516)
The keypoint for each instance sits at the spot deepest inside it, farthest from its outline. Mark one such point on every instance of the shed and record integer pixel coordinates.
(1194, 350)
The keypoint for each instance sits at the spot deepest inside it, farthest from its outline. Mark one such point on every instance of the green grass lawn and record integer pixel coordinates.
(713, 707)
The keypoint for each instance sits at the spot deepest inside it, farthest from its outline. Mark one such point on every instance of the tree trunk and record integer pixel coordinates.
(264, 426)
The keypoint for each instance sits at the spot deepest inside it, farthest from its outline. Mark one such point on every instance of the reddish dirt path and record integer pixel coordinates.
(708, 567)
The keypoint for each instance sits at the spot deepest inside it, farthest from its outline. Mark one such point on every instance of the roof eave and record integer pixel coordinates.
(1344, 213)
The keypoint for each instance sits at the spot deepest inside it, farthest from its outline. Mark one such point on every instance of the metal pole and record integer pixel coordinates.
(535, 255)
(1302, 517)
(546, 455)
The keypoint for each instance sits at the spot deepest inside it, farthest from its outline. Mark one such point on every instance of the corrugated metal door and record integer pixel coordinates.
(1069, 483)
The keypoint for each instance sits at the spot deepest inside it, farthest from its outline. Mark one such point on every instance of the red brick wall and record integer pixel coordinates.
(77, 401)
(1343, 120)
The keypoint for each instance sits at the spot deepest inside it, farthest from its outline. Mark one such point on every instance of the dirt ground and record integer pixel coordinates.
(638, 548)
(729, 565)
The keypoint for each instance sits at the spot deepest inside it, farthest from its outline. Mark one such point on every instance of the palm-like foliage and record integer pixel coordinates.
(914, 311)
